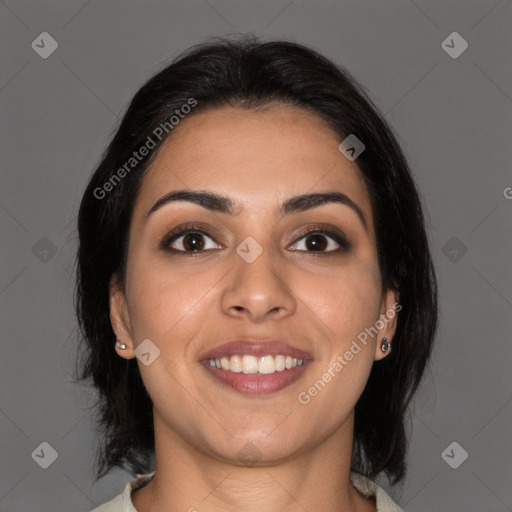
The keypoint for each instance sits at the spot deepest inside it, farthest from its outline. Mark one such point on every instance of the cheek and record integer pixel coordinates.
(346, 300)
(164, 301)
(346, 303)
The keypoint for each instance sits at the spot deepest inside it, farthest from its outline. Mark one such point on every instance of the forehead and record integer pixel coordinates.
(257, 157)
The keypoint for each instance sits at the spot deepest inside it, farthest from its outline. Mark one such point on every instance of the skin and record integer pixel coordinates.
(189, 304)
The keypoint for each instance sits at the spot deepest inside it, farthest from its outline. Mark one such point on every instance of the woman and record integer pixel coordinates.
(255, 289)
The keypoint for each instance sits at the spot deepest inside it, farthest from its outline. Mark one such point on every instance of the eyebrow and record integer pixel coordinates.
(217, 203)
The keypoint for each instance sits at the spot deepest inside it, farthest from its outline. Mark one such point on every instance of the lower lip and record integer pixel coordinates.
(254, 384)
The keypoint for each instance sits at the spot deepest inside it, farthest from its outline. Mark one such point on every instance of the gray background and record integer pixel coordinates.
(452, 117)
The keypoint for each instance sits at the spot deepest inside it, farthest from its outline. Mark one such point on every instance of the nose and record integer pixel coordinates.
(256, 290)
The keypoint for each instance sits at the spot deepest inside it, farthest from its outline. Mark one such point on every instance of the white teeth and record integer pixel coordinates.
(280, 363)
(266, 365)
(251, 365)
(235, 364)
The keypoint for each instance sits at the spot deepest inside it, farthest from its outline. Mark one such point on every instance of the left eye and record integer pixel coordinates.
(316, 241)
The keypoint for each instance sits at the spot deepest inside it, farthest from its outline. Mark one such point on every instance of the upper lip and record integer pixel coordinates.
(255, 347)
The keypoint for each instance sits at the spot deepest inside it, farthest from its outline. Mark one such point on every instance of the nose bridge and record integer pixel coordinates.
(256, 287)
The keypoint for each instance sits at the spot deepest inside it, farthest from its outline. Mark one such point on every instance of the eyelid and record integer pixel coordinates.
(327, 230)
(182, 230)
(322, 229)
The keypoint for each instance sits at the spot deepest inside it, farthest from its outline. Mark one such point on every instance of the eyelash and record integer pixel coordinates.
(320, 229)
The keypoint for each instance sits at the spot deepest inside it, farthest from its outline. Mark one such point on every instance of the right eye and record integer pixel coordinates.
(189, 239)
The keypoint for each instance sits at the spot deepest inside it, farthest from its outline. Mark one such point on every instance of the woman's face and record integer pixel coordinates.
(250, 275)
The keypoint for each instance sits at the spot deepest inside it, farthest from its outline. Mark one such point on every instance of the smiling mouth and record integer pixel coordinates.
(251, 375)
(256, 367)
(252, 365)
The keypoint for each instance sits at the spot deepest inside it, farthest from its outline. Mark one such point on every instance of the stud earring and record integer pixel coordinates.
(386, 345)
(120, 345)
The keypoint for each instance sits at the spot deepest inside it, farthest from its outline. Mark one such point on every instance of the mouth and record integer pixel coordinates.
(256, 367)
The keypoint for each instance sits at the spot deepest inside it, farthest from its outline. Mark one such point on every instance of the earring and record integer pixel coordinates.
(386, 345)
(120, 345)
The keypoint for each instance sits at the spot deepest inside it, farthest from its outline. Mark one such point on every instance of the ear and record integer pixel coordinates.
(387, 321)
(120, 318)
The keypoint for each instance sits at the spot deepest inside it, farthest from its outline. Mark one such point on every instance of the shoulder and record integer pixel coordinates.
(123, 502)
(369, 489)
(115, 505)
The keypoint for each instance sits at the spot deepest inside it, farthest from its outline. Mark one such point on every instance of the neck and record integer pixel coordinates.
(187, 479)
